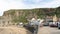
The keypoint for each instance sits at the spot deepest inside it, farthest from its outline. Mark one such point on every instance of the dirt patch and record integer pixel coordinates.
(13, 30)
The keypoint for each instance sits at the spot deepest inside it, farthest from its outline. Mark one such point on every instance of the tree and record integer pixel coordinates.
(58, 12)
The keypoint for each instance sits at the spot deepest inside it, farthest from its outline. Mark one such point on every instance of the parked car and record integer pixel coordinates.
(58, 25)
(53, 24)
(46, 24)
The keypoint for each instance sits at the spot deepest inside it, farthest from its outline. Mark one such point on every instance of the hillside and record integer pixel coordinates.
(21, 15)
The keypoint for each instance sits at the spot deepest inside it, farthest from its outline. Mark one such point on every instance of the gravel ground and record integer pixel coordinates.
(13, 30)
(48, 30)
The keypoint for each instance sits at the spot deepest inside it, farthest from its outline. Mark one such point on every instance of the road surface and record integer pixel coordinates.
(48, 30)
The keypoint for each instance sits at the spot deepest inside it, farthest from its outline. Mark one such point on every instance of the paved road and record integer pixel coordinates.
(48, 30)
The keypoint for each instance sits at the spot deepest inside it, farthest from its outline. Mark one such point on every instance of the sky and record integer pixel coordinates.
(27, 4)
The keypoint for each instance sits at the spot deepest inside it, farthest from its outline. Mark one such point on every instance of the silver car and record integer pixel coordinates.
(53, 24)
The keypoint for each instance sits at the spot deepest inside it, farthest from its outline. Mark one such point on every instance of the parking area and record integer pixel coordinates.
(48, 30)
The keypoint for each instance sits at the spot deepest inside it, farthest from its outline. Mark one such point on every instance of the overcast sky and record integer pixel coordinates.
(27, 4)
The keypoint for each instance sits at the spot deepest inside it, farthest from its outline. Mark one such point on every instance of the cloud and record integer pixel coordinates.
(31, 1)
(43, 4)
(27, 4)
(10, 4)
(53, 4)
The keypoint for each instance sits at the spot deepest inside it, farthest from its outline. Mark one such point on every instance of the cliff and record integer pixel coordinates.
(21, 15)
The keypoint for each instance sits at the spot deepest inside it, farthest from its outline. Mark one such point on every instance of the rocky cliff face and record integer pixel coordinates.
(27, 12)
(21, 15)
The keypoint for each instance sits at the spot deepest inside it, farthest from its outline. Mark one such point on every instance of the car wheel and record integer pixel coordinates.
(58, 27)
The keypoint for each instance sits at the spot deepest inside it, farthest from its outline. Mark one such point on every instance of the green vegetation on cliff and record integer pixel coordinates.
(24, 14)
